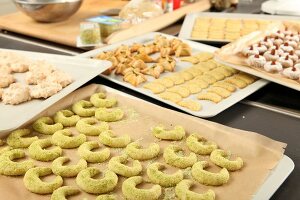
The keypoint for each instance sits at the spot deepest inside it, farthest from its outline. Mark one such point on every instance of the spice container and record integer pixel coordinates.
(89, 34)
(107, 24)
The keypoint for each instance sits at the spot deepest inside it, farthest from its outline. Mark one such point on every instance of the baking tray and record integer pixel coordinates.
(209, 109)
(82, 70)
(188, 24)
(276, 177)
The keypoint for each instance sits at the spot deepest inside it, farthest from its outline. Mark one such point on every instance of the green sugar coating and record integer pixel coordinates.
(209, 178)
(158, 177)
(175, 134)
(83, 108)
(65, 139)
(85, 152)
(62, 192)
(200, 145)
(16, 139)
(66, 118)
(46, 125)
(108, 138)
(67, 171)
(109, 115)
(37, 150)
(87, 126)
(34, 184)
(10, 168)
(172, 158)
(135, 151)
(118, 165)
(221, 158)
(98, 100)
(103, 185)
(131, 192)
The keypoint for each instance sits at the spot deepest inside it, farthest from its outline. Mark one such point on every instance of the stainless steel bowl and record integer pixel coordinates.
(48, 10)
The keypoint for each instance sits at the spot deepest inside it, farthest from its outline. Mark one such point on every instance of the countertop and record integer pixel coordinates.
(273, 111)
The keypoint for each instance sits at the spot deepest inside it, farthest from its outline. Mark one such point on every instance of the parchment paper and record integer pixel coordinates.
(260, 154)
(231, 53)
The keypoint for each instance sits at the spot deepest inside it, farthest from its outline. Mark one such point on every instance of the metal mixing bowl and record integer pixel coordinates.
(48, 10)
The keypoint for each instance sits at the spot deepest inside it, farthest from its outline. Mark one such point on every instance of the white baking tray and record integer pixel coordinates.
(188, 24)
(276, 177)
(82, 70)
(209, 109)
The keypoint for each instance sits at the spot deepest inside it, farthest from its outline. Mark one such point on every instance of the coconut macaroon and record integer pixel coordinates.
(6, 80)
(16, 94)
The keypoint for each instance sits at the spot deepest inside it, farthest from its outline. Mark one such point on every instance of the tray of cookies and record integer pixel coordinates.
(272, 54)
(178, 72)
(105, 144)
(31, 82)
(223, 28)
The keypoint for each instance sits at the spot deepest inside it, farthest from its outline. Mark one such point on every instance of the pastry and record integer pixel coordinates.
(267, 42)
(155, 70)
(286, 61)
(291, 73)
(190, 104)
(286, 47)
(45, 90)
(6, 80)
(256, 60)
(16, 93)
(261, 48)
(155, 87)
(271, 55)
(210, 96)
(273, 66)
(134, 76)
(248, 51)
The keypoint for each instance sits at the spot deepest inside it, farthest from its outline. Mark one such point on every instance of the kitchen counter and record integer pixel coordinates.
(278, 124)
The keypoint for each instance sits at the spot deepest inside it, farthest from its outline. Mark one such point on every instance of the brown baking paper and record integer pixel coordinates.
(231, 53)
(260, 154)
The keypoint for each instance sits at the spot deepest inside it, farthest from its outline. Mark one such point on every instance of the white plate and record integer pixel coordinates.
(276, 177)
(188, 24)
(82, 70)
(209, 109)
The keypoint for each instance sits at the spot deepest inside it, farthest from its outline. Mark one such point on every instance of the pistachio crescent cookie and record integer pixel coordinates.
(221, 158)
(109, 138)
(37, 150)
(85, 152)
(99, 100)
(209, 178)
(9, 167)
(89, 126)
(198, 144)
(109, 115)
(16, 138)
(33, 182)
(135, 151)
(46, 125)
(163, 179)
(58, 167)
(172, 158)
(66, 140)
(174, 134)
(84, 108)
(131, 192)
(183, 192)
(118, 165)
(92, 185)
(106, 197)
(62, 192)
(66, 118)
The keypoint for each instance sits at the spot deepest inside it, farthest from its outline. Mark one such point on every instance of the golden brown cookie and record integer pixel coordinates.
(217, 75)
(182, 91)
(170, 96)
(224, 71)
(225, 85)
(236, 82)
(192, 87)
(246, 77)
(220, 91)
(200, 83)
(156, 88)
(207, 78)
(176, 78)
(210, 97)
(165, 82)
(190, 104)
(204, 56)
(186, 75)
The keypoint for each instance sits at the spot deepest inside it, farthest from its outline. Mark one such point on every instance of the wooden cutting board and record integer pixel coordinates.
(66, 32)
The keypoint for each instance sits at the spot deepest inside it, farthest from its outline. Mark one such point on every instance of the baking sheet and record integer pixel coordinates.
(189, 21)
(260, 154)
(229, 55)
(82, 70)
(209, 109)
